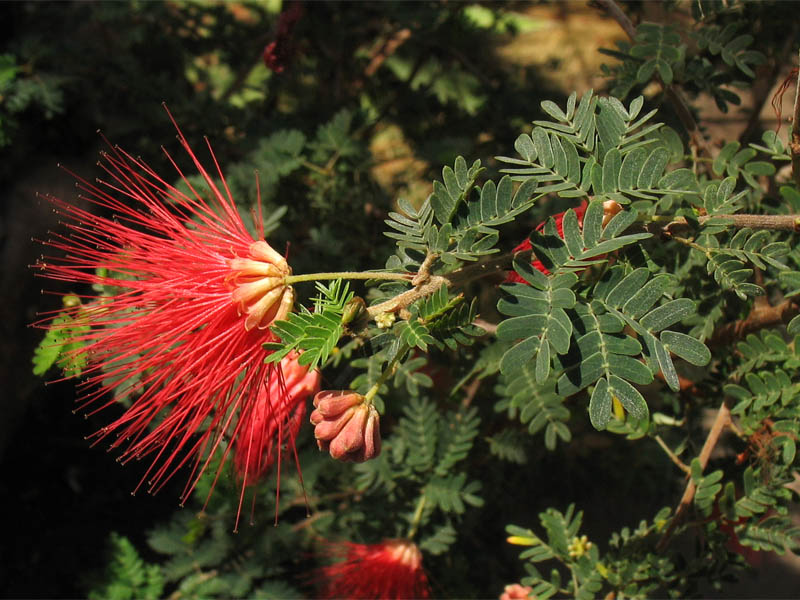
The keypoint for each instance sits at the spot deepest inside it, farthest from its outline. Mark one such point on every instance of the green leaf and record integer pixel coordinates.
(439, 541)
(600, 405)
(315, 333)
(668, 314)
(414, 334)
(629, 397)
(688, 348)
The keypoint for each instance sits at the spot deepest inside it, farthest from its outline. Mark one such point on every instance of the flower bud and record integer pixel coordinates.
(515, 591)
(610, 208)
(258, 286)
(346, 426)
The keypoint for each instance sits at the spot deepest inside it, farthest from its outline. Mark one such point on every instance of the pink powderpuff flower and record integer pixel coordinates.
(282, 400)
(391, 569)
(190, 296)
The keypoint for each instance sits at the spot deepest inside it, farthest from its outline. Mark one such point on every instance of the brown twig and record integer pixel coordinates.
(773, 222)
(762, 87)
(407, 298)
(762, 315)
(386, 49)
(673, 94)
(722, 421)
(794, 144)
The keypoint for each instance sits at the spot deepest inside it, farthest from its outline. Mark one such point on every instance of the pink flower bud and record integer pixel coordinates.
(331, 404)
(346, 426)
(515, 591)
(351, 437)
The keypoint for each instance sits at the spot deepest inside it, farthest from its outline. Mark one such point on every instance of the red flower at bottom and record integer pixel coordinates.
(391, 569)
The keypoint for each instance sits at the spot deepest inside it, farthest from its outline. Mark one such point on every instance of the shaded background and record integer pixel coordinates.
(422, 83)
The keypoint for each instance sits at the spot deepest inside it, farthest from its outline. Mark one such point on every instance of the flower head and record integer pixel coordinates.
(514, 277)
(391, 569)
(346, 425)
(276, 418)
(610, 208)
(188, 298)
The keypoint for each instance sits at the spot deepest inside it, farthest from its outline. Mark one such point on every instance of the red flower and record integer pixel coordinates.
(276, 419)
(180, 336)
(391, 569)
(610, 208)
(513, 276)
(279, 51)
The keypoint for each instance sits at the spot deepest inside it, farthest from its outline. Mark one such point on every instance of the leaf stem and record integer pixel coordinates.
(417, 518)
(388, 372)
(672, 456)
(291, 279)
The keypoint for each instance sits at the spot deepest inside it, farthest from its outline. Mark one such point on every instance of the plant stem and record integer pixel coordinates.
(409, 297)
(759, 317)
(692, 245)
(388, 372)
(672, 456)
(794, 143)
(773, 222)
(722, 421)
(291, 279)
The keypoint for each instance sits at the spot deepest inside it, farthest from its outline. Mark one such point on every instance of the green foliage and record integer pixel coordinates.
(537, 405)
(63, 345)
(20, 90)
(718, 57)
(599, 149)
(619, 318)
(708, 487)
(468, 216)
(128, 576)
(548, 315)
(315, 333)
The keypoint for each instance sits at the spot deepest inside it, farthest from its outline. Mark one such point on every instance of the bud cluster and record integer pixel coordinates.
(346, 425)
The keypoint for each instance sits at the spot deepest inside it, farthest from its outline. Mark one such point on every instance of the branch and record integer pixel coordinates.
(386, 49)
(762, 315)
(407, 298)
(722, 421)
(615, 12)
(773, 222)
(794, 144)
